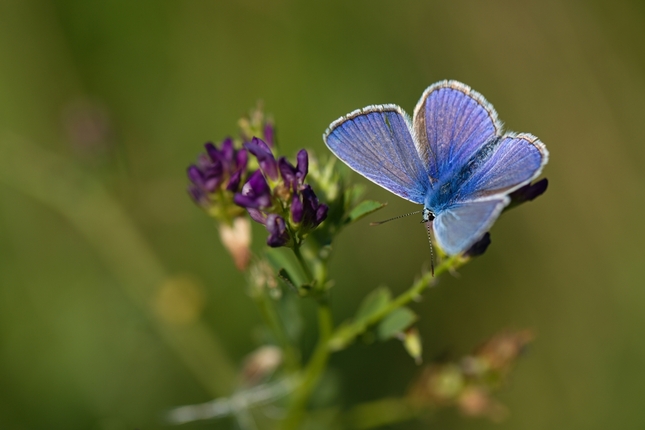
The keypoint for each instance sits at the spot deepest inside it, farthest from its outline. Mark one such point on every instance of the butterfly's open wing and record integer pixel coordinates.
(461, 226)
(377, 143)
(516, 160)
(452, 122)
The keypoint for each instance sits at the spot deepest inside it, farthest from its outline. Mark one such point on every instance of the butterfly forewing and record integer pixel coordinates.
(452, 122)
(377, 143)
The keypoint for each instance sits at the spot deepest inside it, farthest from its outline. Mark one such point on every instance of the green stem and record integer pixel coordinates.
(303, 263)
(313, 371)
(345, 335)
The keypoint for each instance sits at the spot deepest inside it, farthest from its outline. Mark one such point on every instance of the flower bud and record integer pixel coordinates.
(265, 157)
(269, 134)
(215, 171)
(255, 193)
(278, 233)
(479, 247)
(294, 177)
(296, 209)
(528, 193)
(313, 212)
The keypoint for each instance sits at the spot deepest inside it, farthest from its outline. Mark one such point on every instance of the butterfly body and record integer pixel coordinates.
(451, 157)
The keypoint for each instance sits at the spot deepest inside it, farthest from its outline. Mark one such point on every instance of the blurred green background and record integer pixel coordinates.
(129, 91)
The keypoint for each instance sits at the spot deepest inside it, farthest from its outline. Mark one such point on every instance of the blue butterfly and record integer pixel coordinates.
(452, 157)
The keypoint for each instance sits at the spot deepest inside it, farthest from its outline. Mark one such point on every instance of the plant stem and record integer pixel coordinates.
(345, 335)
(313, 371)
(415, 290)
(303, 263)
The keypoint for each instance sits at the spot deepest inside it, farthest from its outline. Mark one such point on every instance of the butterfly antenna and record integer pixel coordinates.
(431, 248)
(392, 219)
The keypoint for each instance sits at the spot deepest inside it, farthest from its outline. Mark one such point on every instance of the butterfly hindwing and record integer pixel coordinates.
(377, 143)
(451, 122)
(459, 227)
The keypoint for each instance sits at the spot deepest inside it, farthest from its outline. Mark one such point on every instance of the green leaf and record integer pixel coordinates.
(372, 303)
(396, 322)
(363, 209)
(353, 194)
(282, 261)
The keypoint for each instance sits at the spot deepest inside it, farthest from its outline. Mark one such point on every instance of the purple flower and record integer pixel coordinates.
(528, 192)
(314, 212)
(206, 174)
(218, 168)
(255, 194)
(278, 233)
(321, 213)
(224, 156)
(277, 197)
(479, 247)
(297, 209)
(294, 177)
(269, 134)
(257, 215)
(198, 195)
(241, 159)
(306, 209)
(265, 157)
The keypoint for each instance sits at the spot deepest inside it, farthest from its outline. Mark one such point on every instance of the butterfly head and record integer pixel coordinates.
(428, 215)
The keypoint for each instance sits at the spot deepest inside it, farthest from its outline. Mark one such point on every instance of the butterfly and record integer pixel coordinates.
(451, 156)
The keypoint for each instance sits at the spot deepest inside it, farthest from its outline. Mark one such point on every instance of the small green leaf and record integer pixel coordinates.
(280, 259)
(363, 209)
(302, 290)
(396, 322)
(372, 303)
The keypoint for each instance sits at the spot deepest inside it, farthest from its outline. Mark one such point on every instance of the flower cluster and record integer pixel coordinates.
(216, 177)
(226, 182)
(277, 197)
